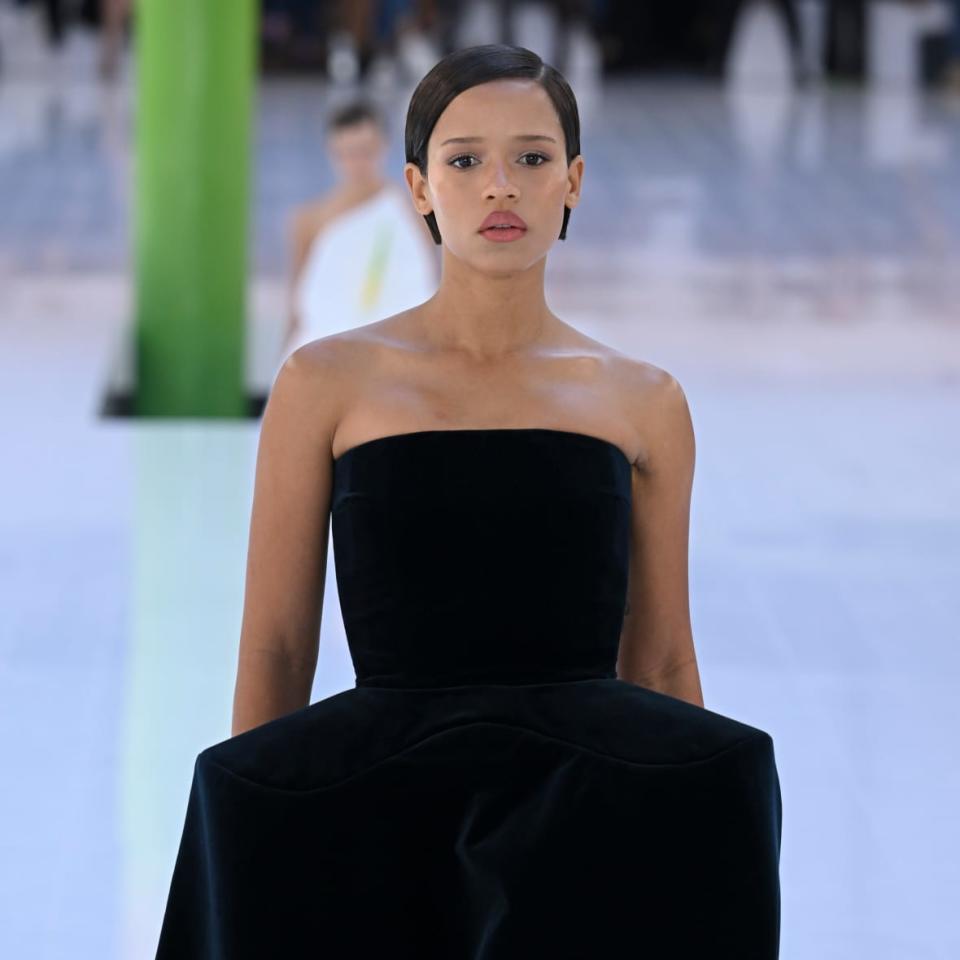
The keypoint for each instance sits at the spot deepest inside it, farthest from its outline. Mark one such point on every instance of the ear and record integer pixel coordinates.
(574, 181)
(419, 188)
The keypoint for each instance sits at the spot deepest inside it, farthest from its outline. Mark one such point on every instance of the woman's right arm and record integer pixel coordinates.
(287, 550)
(303, 229)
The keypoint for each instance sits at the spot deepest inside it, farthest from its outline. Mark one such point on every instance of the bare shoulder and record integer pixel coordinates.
(329, 364)
(654, 402)
(653, 391)
(316, 382)
(638, 383)
(340, 362)
(640, 378)
(307, 219)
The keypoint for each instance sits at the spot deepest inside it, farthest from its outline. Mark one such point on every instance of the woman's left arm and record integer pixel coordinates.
(656, 642)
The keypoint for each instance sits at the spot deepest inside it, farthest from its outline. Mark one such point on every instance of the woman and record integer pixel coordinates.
(525, 767)
(359, 251)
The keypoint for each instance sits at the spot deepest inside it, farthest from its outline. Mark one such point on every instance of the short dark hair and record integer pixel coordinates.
(354, 112)
(466, 68)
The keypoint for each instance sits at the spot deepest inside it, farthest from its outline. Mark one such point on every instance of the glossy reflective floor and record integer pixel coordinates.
(790, 256)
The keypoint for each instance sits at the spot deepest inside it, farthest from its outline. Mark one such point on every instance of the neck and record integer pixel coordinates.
(487, 316)
(356, 189)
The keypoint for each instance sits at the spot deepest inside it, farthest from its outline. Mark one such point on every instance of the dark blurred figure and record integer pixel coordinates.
(355, 18)
(58, 13)
(726, 16)
(699, 35)
(54, 19)
(566, 13)
(115, 15)
(111, 16)
(953, 70)
(363, 30)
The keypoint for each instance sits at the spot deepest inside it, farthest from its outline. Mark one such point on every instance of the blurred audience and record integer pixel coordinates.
(397, 41)
(111, 17)
(368, 37)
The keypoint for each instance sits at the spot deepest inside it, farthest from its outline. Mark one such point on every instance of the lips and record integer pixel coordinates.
(502, 218)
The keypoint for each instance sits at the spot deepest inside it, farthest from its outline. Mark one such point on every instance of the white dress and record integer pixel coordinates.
(366, 264)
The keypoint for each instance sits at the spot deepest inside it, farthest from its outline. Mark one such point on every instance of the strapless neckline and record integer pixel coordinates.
(364, 445)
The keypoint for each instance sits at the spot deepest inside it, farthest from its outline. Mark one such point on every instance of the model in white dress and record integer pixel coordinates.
(365, 264)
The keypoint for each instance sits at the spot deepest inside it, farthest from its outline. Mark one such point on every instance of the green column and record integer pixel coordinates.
(195, 75)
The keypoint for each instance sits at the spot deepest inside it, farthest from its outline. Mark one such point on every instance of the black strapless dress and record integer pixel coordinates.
(489, 789)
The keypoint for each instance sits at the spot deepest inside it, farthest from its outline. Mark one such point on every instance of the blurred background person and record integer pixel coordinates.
(739, 24)
(61, 18)
(54, 18)
(811, 39)
(953, 68)
(370, 40)
(115, 16)
(359, 252)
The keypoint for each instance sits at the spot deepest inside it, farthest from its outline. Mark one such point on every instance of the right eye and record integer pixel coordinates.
(462, 156)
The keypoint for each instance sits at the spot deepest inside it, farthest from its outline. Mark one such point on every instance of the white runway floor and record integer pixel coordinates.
(791, 257)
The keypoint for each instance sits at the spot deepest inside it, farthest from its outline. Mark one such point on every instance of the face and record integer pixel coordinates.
(357, 151)
(501, 168)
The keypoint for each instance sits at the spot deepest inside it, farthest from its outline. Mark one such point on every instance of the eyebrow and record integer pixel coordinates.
(519, 136)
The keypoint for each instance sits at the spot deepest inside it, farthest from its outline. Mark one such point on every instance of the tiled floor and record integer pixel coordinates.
(790, 257)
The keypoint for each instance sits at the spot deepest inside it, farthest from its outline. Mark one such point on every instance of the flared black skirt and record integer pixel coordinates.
(577, 819)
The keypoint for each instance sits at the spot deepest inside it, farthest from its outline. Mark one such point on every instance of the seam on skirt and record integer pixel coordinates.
(758, 736)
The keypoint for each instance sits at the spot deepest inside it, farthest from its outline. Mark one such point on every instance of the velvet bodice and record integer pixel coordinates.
(481, 555)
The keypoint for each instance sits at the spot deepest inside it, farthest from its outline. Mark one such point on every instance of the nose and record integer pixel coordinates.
(501, 184)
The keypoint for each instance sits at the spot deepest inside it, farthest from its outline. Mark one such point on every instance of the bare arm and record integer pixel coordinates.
(287, 551)
(656, 644)
(302, 230)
